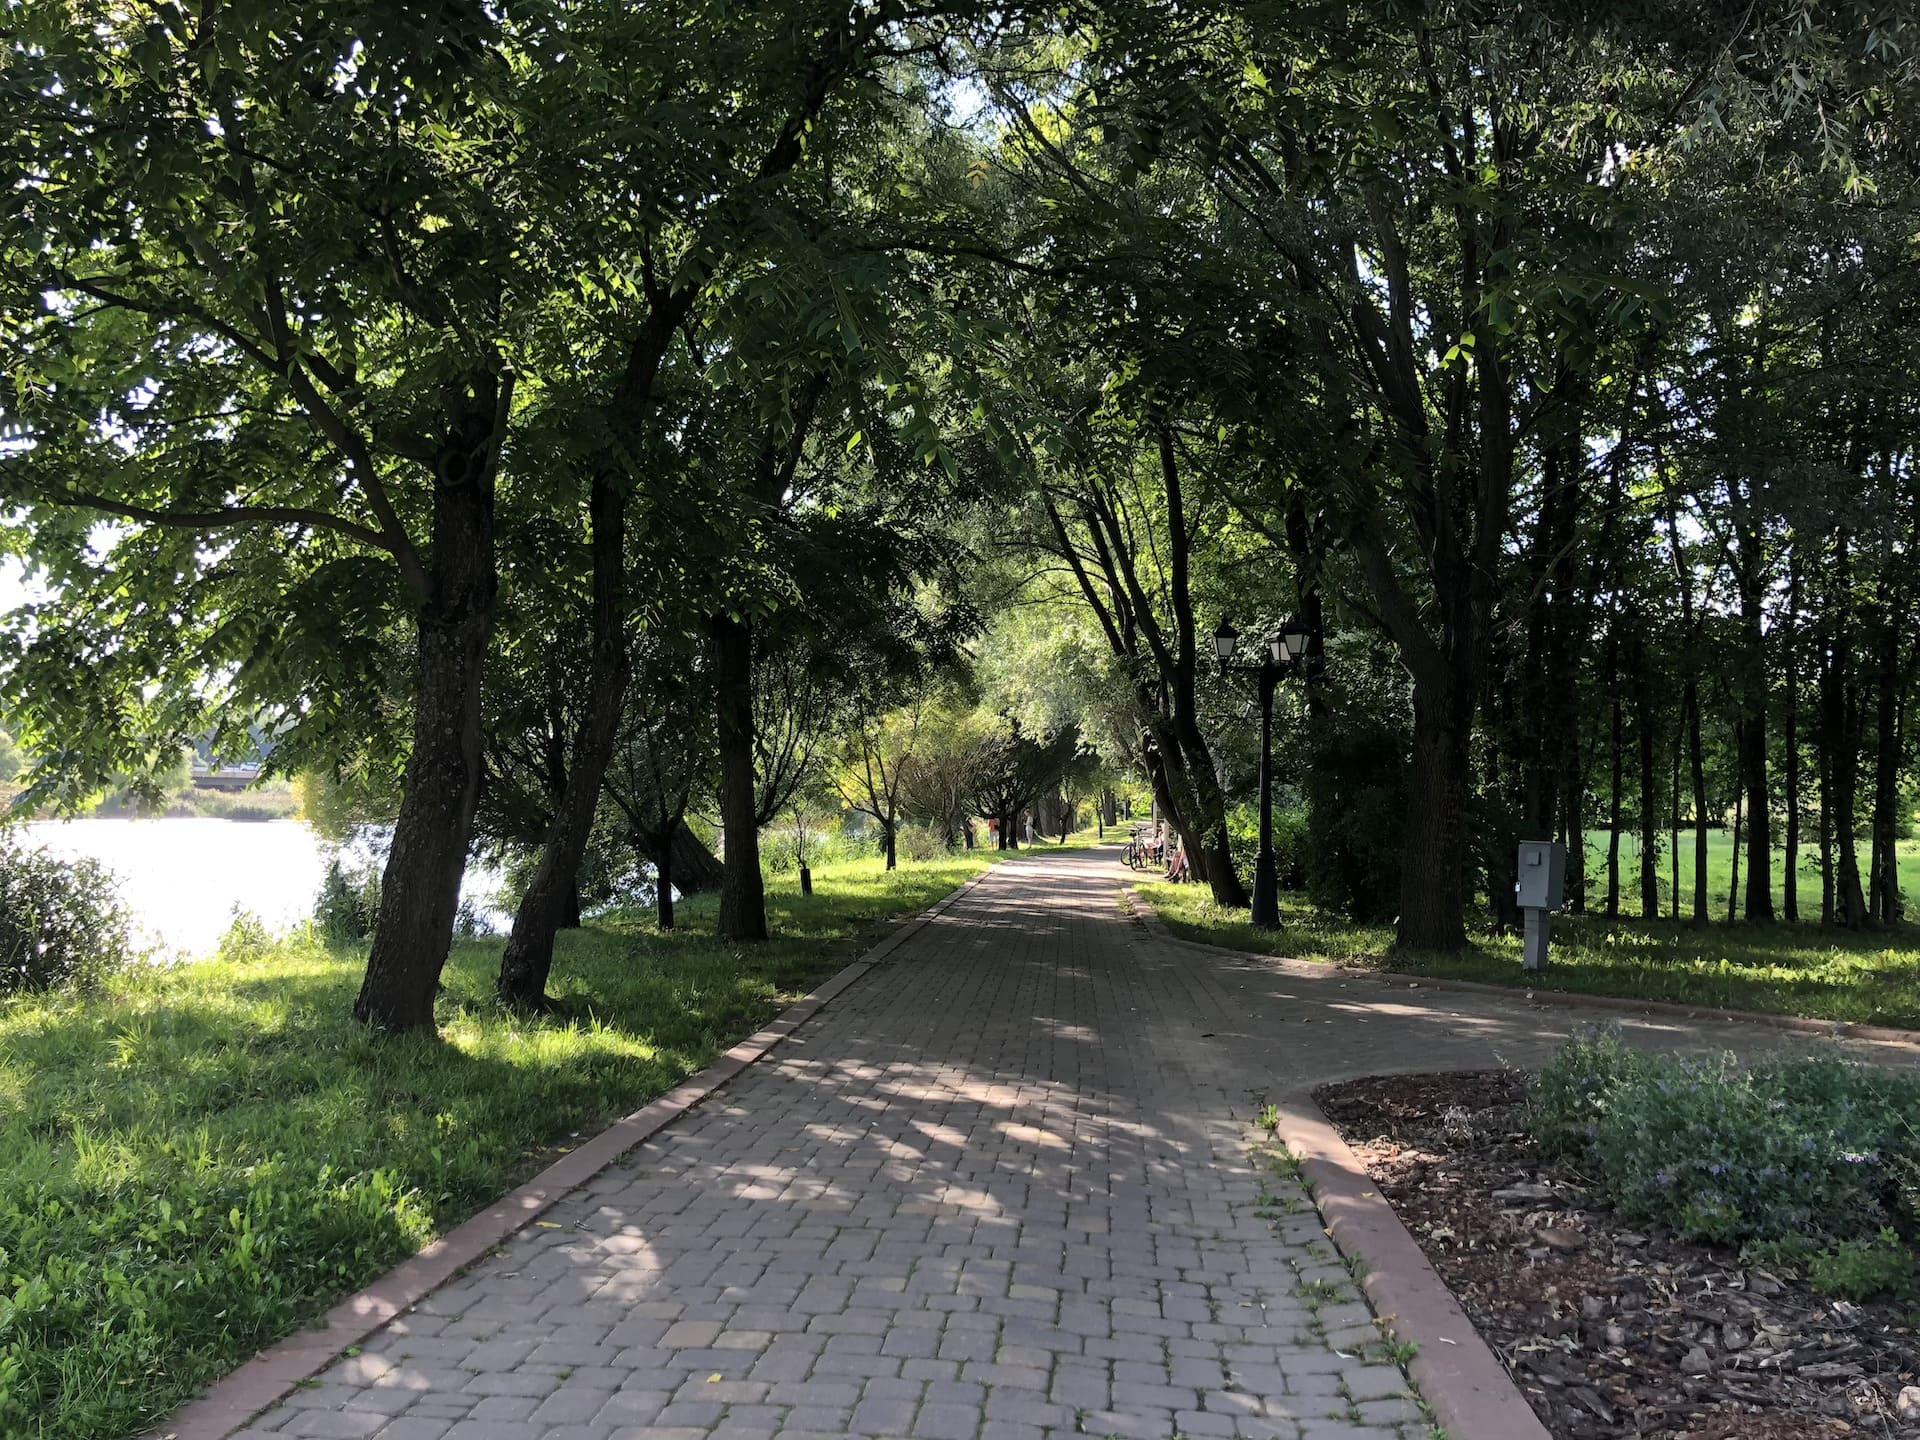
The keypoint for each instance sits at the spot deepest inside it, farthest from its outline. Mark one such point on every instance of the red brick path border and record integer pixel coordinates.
(1469, 1390)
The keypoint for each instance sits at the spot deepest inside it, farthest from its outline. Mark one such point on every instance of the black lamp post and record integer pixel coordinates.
(1279, 657)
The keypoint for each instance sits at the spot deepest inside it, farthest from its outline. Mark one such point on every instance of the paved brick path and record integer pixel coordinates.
(999, 1189)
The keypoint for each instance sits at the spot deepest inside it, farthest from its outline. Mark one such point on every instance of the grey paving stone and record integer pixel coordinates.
(999, 1187)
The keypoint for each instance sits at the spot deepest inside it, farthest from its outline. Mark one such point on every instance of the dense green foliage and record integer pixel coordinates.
(195, 1161)
(60, 922)
(1808, 1157)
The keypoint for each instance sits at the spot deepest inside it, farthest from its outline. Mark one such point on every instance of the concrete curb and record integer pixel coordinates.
(1469, 1390)
(1572, 999)
(277, 1371)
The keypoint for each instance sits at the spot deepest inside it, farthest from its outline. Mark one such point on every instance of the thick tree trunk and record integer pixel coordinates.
(891, 831)
(696, 869)
(552, 890)
(420, 886)
(743, 901)
(573, 917)
(1431, 903)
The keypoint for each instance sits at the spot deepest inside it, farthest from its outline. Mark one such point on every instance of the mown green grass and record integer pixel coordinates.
(1781, 969)
(1720, 872)
(195, 1162)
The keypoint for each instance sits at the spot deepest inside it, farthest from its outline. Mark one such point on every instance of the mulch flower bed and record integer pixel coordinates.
(1608, 1329)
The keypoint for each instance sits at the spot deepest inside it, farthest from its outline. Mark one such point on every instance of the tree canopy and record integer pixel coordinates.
(580, 429)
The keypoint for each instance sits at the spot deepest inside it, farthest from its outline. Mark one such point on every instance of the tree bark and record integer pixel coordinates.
(1431, 903)
(1753, 759)
(1649, 796)
(1790, 741)
(1840, 743)
(420, 886)
(663, 885)
(1733, 884)
(1885, 865)
(743, 901)
(528, 960)
(1616, 745)
(890, 830)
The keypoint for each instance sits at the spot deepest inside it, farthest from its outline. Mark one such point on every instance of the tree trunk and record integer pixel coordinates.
(890, 830)
(1649, 791)
(1850, 901)
(1614, 810)
(1826, 741)
(743, 901)
(572, 918)
(420, 886)
(1733, 884)
(1790, 740)
(1673, 825)
(1840, 722)
(696, 870)
(1885, 863)
(1753, 769)
(1697, 777)
(663, 885)
(543, 909)
(1431, 910)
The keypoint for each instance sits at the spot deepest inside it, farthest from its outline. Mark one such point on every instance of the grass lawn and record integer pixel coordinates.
(1786, 969)
(197, 1161)
(1720, 871)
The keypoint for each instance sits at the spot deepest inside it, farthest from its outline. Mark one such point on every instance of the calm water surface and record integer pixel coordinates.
(183, 879)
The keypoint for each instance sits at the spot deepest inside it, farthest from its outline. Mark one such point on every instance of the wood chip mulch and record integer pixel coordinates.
(1611, 1331)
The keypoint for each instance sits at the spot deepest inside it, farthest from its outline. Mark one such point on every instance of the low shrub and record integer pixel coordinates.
(61, 921)
(348, 905)
(1290, 843)
(1357, 815)
(918, 843)
(1817, 1154)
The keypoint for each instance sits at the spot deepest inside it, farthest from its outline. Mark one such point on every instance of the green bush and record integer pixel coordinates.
(61, 921)
(1290, 843)
(1819, 1154)
(1357, 817)
(348, 905)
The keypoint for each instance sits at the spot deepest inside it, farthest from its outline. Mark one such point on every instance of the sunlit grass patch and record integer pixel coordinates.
(1780, 969)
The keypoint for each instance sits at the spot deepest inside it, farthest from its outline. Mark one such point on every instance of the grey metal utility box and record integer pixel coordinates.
(1543, 875)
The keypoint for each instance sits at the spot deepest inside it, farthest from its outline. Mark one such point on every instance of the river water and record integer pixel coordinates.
(183, 879)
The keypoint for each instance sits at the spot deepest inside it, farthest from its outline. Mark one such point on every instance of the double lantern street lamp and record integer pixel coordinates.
(1282, 656)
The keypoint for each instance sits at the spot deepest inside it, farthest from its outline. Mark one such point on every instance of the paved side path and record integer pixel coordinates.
(997, 1191)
